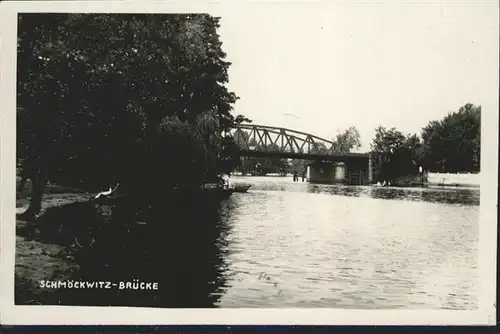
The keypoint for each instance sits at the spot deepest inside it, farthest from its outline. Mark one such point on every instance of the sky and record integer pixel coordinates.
(342, 64)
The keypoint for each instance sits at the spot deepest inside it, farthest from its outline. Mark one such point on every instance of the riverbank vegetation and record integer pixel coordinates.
(73, 241)
(449, 145)
(139, 100)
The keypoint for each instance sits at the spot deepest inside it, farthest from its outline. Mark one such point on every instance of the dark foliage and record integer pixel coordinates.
(453, 144)
(137, 99)
(395, 154)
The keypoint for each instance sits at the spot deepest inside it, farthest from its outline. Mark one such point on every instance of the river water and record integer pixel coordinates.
(282, 244)
(294, 244)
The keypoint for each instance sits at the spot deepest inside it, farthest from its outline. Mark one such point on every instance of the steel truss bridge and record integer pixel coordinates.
(269, 141)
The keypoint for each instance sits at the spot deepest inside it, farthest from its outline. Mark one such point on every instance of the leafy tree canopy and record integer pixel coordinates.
(138, 99)
(347, 140)
(453, 144)
(132, 86)
(394, 154)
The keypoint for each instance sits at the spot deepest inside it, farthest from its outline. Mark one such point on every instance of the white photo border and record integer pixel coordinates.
(76, 315)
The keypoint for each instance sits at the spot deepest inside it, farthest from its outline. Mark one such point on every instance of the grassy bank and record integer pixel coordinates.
(37, 260)
(117, 241)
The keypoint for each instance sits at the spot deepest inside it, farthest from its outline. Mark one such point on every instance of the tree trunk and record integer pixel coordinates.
(22, 184)
(38, 184)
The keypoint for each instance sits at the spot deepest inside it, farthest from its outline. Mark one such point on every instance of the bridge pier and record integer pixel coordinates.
(370, 169)
(339, 175)
(326, 172)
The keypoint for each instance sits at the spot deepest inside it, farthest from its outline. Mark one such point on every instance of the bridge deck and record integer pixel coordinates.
(306, 156)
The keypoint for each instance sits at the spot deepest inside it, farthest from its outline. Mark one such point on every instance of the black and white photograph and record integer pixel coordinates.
(250, 156)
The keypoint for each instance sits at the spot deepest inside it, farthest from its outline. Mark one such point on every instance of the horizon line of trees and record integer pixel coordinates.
(452, 144)
(449, 145)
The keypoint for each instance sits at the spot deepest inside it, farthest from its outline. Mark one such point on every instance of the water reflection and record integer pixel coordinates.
(432, 195)
(282, 244)
(317, 245)
(181, 248)
(445, 195)
(335, 190)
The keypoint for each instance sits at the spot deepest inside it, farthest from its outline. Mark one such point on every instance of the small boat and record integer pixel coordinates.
(237, 188)
(241, 188)
(211, 186)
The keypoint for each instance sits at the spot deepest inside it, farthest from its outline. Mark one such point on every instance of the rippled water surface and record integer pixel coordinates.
(282, 244)
(296, 244)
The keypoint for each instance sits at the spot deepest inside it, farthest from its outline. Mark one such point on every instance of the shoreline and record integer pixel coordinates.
(454, 185)
(39, 259)
(435, 180)
(41, 252)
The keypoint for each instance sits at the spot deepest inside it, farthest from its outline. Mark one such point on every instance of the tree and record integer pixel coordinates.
(319, 148)
(347, 140)
(134, 87)
(242, 119)
(453, 144)
(394, 154)
(241, 138)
